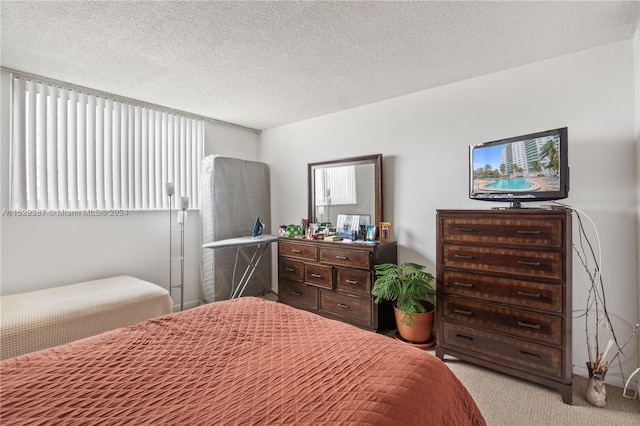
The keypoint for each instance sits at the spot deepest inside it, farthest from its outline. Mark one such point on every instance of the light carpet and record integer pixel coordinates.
(505, 400)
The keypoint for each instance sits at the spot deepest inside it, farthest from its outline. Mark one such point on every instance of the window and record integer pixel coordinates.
(74, 150)
(336, 185)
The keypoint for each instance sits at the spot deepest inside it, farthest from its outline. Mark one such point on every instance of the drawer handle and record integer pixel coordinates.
(529, 355)
(459, 284)
(352, 282)
(524, 262)
(527, 325)
(342, 257)
(296, 293)
(463, 337)
(529, 232)
(316, 275)
(463, 312)
(460, 256)
(523, 293)
(463, 229)
(289, 269)
(296, 251)
(342, 305)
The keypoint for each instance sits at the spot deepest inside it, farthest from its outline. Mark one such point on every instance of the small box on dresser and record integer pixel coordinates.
(334, 279)
(504, 292)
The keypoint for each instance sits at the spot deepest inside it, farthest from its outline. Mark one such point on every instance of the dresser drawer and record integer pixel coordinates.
(531, 356)
(353, 308)
(543, 232)
(297, 250)
(354, 281)
(342, 257)
(290, 269)
(334, 279)
(319, 275)
(506, 290)
(529, 325)
(298, 294)
(525, 263)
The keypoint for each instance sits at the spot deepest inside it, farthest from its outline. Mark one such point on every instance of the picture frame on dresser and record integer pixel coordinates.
(347, 224)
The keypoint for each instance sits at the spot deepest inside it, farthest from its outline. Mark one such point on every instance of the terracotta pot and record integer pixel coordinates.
(422, 324)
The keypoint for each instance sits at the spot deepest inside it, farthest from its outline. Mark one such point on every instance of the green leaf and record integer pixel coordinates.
(406, 284)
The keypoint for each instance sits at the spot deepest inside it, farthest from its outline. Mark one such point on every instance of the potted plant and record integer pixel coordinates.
(408, 286)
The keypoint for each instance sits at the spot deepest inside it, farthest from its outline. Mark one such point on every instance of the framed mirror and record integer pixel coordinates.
(349, 186)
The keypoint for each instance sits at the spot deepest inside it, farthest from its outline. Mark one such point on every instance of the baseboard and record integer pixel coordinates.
(187, 305)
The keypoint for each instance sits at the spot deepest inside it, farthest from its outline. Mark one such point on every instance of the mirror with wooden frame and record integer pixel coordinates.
(348, 186)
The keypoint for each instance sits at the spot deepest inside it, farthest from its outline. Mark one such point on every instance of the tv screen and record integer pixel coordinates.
(531, 167)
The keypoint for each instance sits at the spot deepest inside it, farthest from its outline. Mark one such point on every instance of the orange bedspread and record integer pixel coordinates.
(244, 361)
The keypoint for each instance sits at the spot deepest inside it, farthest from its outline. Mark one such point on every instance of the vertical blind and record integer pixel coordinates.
(73, 150)
(336, 185)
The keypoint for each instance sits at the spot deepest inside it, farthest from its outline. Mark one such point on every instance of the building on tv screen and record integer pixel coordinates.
(523, 166)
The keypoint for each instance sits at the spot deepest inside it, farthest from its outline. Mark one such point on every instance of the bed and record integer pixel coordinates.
(45, 318)
(243, 361)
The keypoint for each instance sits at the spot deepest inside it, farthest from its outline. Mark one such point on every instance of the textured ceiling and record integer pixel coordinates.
(264, 64)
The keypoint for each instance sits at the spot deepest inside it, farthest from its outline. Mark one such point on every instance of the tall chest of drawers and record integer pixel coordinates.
(504, 292)
(334, 279)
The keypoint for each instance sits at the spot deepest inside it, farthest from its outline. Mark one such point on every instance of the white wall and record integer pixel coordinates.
(636, 48)
(42, 252)
(424, 138)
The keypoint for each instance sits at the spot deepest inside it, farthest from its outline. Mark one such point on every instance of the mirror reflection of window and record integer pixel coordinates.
(336, 186)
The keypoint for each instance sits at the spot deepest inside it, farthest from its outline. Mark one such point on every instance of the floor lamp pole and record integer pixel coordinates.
(170, 190)
(181, 264)
(182, 219)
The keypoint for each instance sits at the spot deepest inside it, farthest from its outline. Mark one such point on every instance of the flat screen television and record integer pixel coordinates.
(532, 167)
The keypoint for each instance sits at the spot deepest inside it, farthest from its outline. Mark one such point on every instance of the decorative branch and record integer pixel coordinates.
(596, 301)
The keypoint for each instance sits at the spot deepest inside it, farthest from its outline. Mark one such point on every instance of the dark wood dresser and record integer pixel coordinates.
(334, 279)
(504, 292)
